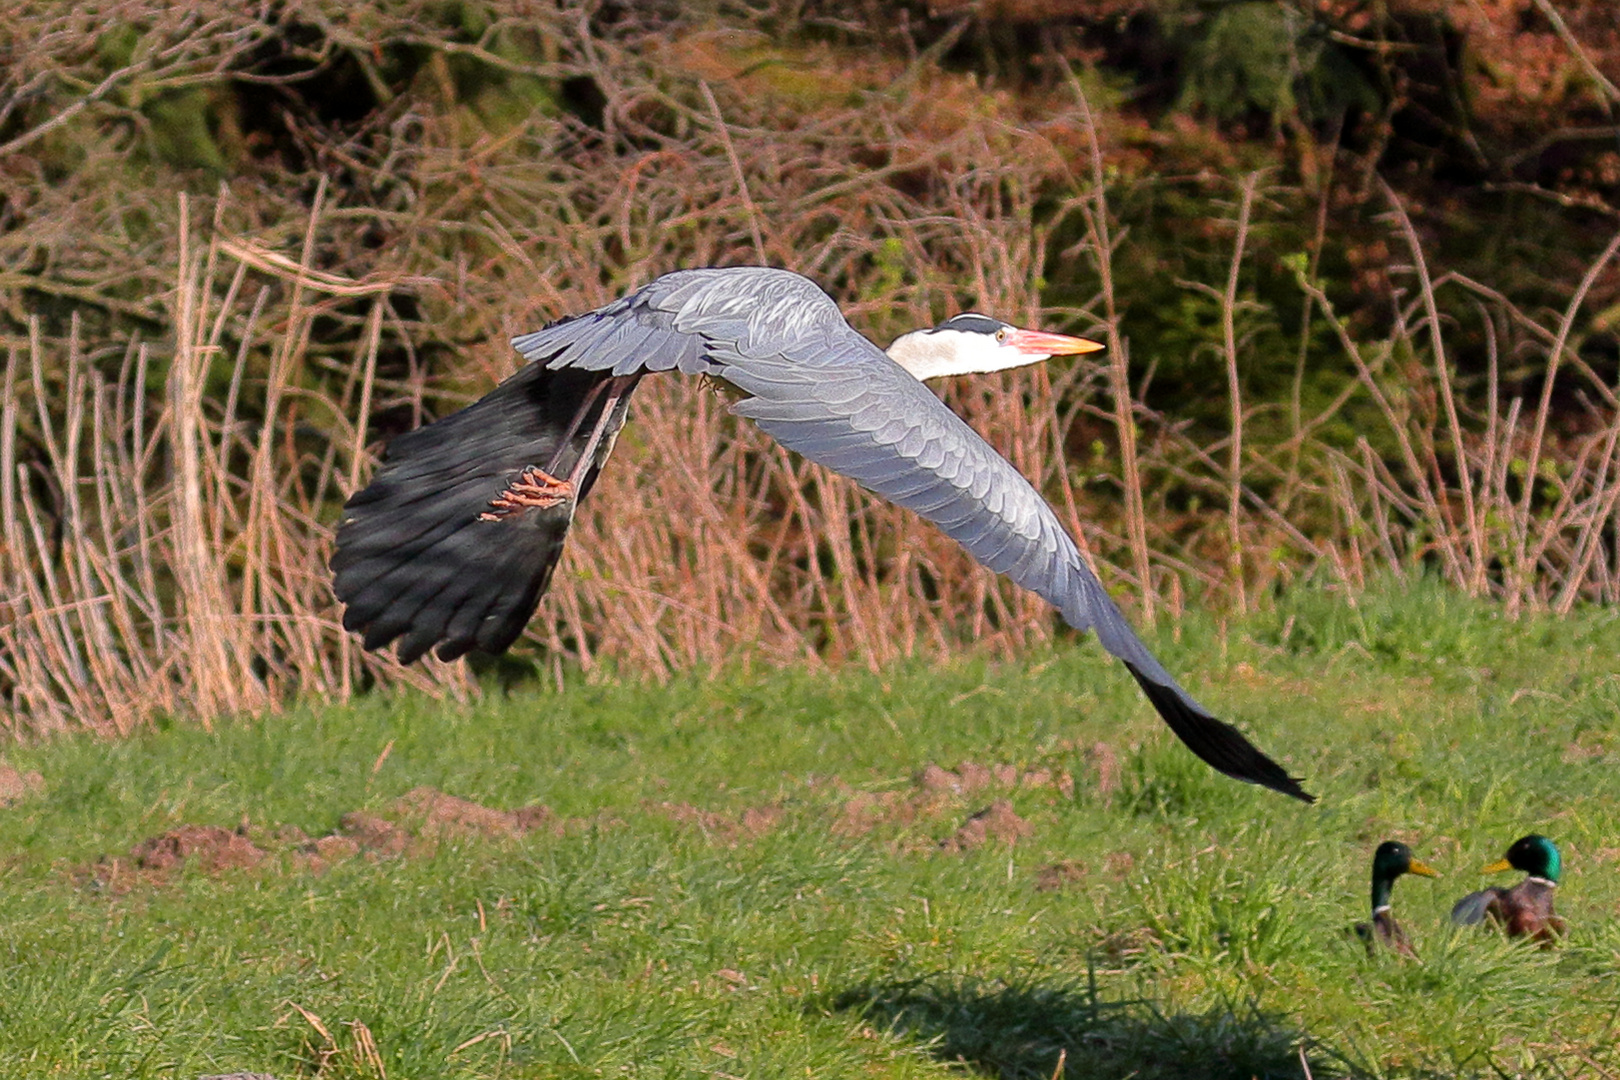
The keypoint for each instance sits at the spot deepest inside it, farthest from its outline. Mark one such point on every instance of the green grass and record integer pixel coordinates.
(1203, 936)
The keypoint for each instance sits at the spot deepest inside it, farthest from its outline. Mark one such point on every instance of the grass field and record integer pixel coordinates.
(755, 876)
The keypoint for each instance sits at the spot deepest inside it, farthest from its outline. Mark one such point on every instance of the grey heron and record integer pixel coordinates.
(458, 534)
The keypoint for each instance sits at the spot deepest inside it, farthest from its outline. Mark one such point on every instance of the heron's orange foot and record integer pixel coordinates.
(534, 487)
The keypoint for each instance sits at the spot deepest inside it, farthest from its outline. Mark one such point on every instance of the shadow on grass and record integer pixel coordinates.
(1022, 1031)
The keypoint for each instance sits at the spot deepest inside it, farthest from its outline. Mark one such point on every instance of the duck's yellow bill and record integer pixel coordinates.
(1422, 868)
(1497, 867)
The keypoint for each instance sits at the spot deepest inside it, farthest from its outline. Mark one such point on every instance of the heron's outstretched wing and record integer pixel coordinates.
(415, 562)
(855, 411)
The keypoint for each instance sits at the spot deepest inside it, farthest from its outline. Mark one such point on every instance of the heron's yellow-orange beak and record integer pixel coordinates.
(1041, 343)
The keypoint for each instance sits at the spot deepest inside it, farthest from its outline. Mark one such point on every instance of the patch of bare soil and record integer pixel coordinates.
(971, 777)
(1106, 762)
(998, 821)
(374, 834)
(318, 854)
(868, 810)
(412, 825)
(452, 816)
(16, 786)
(1119, 864)
(214, 849)
(937, 791)
(752, 823)
(1587, 748)
(1059, 875)
(416, 821)
(1126, 946)
(210, 848)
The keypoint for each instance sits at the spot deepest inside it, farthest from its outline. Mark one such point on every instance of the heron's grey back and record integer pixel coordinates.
(671, 323)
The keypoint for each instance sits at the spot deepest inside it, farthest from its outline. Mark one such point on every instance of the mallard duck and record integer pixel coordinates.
(1525, 910)
(1390, 861)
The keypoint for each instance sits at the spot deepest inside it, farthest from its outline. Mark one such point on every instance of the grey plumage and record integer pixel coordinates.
(820, 389)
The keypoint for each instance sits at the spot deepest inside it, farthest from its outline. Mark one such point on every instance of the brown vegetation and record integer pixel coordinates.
(220, 300)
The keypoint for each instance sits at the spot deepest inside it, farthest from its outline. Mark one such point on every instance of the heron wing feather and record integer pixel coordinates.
(900, 441)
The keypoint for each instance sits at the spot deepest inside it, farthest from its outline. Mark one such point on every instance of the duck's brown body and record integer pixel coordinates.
(1525, 910)
(1384, 931)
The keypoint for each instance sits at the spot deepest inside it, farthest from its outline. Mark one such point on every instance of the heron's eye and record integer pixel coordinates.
(1001, 335)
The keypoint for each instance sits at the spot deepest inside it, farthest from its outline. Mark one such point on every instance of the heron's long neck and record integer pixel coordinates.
(926, 356)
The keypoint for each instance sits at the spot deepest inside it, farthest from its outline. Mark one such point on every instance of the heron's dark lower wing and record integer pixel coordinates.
(413, 560)
(860, 414)
(415, 563)
(1214, 740)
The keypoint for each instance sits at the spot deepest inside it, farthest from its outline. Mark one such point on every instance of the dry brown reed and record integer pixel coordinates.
(167, 499)
(1503, 513)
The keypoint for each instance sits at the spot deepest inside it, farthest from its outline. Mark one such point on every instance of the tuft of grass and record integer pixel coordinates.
(1200, 929)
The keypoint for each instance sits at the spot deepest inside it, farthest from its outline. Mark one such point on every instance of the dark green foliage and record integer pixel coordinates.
(1271, 59)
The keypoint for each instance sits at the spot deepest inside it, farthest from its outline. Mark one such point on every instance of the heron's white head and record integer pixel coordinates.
(970, 343)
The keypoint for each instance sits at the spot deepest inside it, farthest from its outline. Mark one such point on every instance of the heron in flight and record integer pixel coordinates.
(458, 534)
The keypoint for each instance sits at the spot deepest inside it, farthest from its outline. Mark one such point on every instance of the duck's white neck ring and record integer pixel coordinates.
(1380, 909)
(1543, 881)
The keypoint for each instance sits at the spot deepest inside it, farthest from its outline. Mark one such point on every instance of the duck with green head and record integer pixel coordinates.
(1525, 910)
(1390, 861)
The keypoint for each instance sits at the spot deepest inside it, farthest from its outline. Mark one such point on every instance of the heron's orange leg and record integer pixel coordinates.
(538, 488)
(534, 487)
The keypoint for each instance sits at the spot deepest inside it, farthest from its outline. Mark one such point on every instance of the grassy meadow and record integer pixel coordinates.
(758, 875)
